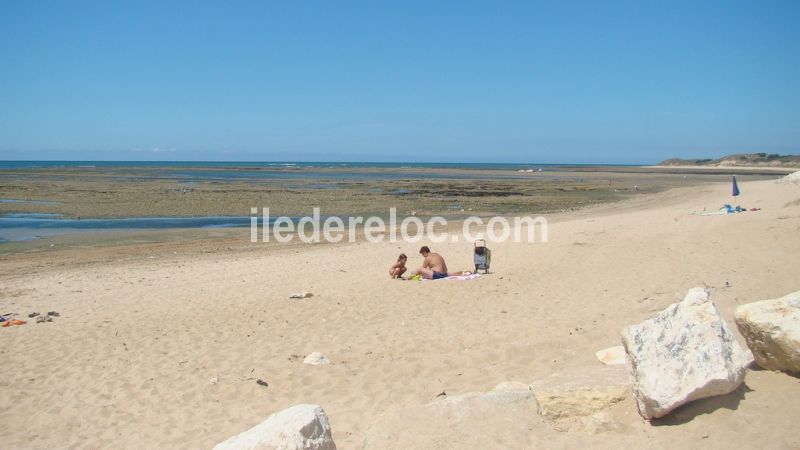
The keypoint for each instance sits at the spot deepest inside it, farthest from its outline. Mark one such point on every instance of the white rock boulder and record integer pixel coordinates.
(316, 359)
(685, 353)
(772, 331)
(612, 356)
(299, 427)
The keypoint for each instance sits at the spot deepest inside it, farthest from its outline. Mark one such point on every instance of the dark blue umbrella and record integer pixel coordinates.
(735, 187)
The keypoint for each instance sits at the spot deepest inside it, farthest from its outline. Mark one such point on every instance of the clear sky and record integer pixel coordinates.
(594, 82)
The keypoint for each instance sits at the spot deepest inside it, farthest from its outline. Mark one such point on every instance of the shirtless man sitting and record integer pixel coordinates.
(433, 267)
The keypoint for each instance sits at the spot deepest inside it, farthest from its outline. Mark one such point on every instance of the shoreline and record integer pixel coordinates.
(102, 248)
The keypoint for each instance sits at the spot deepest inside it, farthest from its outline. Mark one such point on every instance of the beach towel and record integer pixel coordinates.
(726, 209)
(721, 212)
(471, 276)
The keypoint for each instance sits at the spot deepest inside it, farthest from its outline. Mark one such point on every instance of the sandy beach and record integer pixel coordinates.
(161, 347)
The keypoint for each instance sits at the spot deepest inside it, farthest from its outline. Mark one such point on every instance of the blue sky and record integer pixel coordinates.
(614, 82)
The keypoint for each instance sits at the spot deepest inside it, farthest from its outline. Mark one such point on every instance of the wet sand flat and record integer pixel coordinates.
(104, 192)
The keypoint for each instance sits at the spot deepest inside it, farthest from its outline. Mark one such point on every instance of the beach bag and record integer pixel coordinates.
(482, 256)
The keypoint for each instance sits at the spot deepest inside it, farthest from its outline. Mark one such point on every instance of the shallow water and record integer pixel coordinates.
(30, 202)
(27, 226)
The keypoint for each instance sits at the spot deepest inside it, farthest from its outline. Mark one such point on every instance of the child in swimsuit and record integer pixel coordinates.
(398, 268)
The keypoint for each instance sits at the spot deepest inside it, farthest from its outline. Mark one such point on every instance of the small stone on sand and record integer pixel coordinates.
(316, 359)
(612, 356)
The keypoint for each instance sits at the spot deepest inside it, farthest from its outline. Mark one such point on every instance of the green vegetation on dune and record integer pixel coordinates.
(742, 159)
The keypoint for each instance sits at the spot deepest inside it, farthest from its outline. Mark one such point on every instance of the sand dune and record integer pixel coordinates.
(130, 362)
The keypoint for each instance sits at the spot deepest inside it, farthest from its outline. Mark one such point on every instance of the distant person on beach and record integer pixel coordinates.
(433, 266)
(399, 267)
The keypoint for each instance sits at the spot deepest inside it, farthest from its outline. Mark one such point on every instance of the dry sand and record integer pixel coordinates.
(129, 363)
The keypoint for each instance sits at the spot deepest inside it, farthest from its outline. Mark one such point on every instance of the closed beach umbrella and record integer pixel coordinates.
(735, 187)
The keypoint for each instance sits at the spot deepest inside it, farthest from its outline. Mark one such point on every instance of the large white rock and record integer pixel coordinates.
(685, 353)
(772, 331)
(500, 418)
(299, 427)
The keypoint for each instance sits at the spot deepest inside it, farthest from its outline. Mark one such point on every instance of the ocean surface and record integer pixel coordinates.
(191, 171)
(4, 165)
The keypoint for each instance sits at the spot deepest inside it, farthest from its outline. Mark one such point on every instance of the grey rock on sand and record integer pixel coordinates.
(684, 353)
(302, 426)
(493, 419)
(577, 400)
(772, 331)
